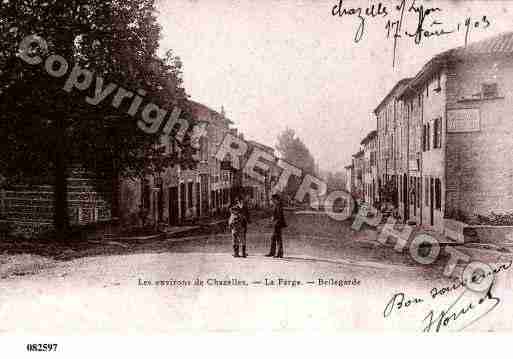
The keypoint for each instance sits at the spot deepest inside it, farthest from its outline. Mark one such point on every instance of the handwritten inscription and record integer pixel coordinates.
(465, 310)
(373, 10)
(399, 302)
(427, 25)
(457, 312)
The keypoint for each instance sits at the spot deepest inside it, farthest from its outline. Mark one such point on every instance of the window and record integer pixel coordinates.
(424, 138)
(438, 83)
(391, 147)
(489, 90)
(426, 190)
(438, 194)
(146, 195)
(437, 133)
(373, 158)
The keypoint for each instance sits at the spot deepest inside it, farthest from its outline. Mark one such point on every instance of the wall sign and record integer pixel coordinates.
(463, 120)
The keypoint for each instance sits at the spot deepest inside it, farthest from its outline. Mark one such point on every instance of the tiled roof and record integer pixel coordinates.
(369, 137)
(358, 154)
(398, 87)
(203, 111)
(502, 43)
(497, 45)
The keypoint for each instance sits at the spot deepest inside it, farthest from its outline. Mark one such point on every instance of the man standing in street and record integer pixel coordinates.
(245, 215)
(278, 224)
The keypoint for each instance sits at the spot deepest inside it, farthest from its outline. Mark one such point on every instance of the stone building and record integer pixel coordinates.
(391, 140)
(259, 192)
(179, 194)
(460, 154)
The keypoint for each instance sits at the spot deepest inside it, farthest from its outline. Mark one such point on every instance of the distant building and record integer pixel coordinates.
(358, 163)
(180, 194)
(350, 177)
(370, 173)
(391, 139)
(259, 192)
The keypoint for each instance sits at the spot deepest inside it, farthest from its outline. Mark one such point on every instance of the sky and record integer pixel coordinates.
(277, 64)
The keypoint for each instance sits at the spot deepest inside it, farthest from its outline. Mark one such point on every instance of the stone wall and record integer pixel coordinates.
(480, 164)
(28, 210)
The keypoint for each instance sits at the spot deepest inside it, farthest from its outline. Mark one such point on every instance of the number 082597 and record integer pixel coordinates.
(41, 347)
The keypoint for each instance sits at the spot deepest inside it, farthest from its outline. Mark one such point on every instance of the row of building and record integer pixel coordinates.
(175, 196)
(442, 147)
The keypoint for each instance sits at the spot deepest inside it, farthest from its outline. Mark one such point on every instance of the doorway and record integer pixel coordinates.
(173, 205)
(182, 201)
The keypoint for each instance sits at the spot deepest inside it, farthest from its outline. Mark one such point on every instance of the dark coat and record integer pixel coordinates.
(245, 214)
(278, 216)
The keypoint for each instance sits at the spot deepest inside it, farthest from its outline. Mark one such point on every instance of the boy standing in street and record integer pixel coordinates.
(278, 225)
(235, 224)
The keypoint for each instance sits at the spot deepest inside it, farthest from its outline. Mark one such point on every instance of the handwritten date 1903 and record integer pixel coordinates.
(427, 26)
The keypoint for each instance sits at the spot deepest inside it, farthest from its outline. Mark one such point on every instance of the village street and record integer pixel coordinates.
(345, 278)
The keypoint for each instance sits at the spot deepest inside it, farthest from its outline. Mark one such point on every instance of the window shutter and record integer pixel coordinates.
(424, 138)
(440, 132)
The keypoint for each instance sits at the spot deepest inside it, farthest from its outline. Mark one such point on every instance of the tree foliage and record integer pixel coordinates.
(45, 131)
(294, 151)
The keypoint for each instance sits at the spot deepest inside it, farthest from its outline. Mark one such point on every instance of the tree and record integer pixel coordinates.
(293, 150)
(45, 131)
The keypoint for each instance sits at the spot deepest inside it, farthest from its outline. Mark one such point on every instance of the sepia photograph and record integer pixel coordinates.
(242, 166)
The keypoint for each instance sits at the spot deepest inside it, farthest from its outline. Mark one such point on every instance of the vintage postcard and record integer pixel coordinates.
(177, 166)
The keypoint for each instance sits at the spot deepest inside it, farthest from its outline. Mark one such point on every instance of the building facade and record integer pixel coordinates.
(182, 194)
(174, 196)
(370, 174)
(444, 136)
(358, 164)
(258, 192)
(391, 141)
